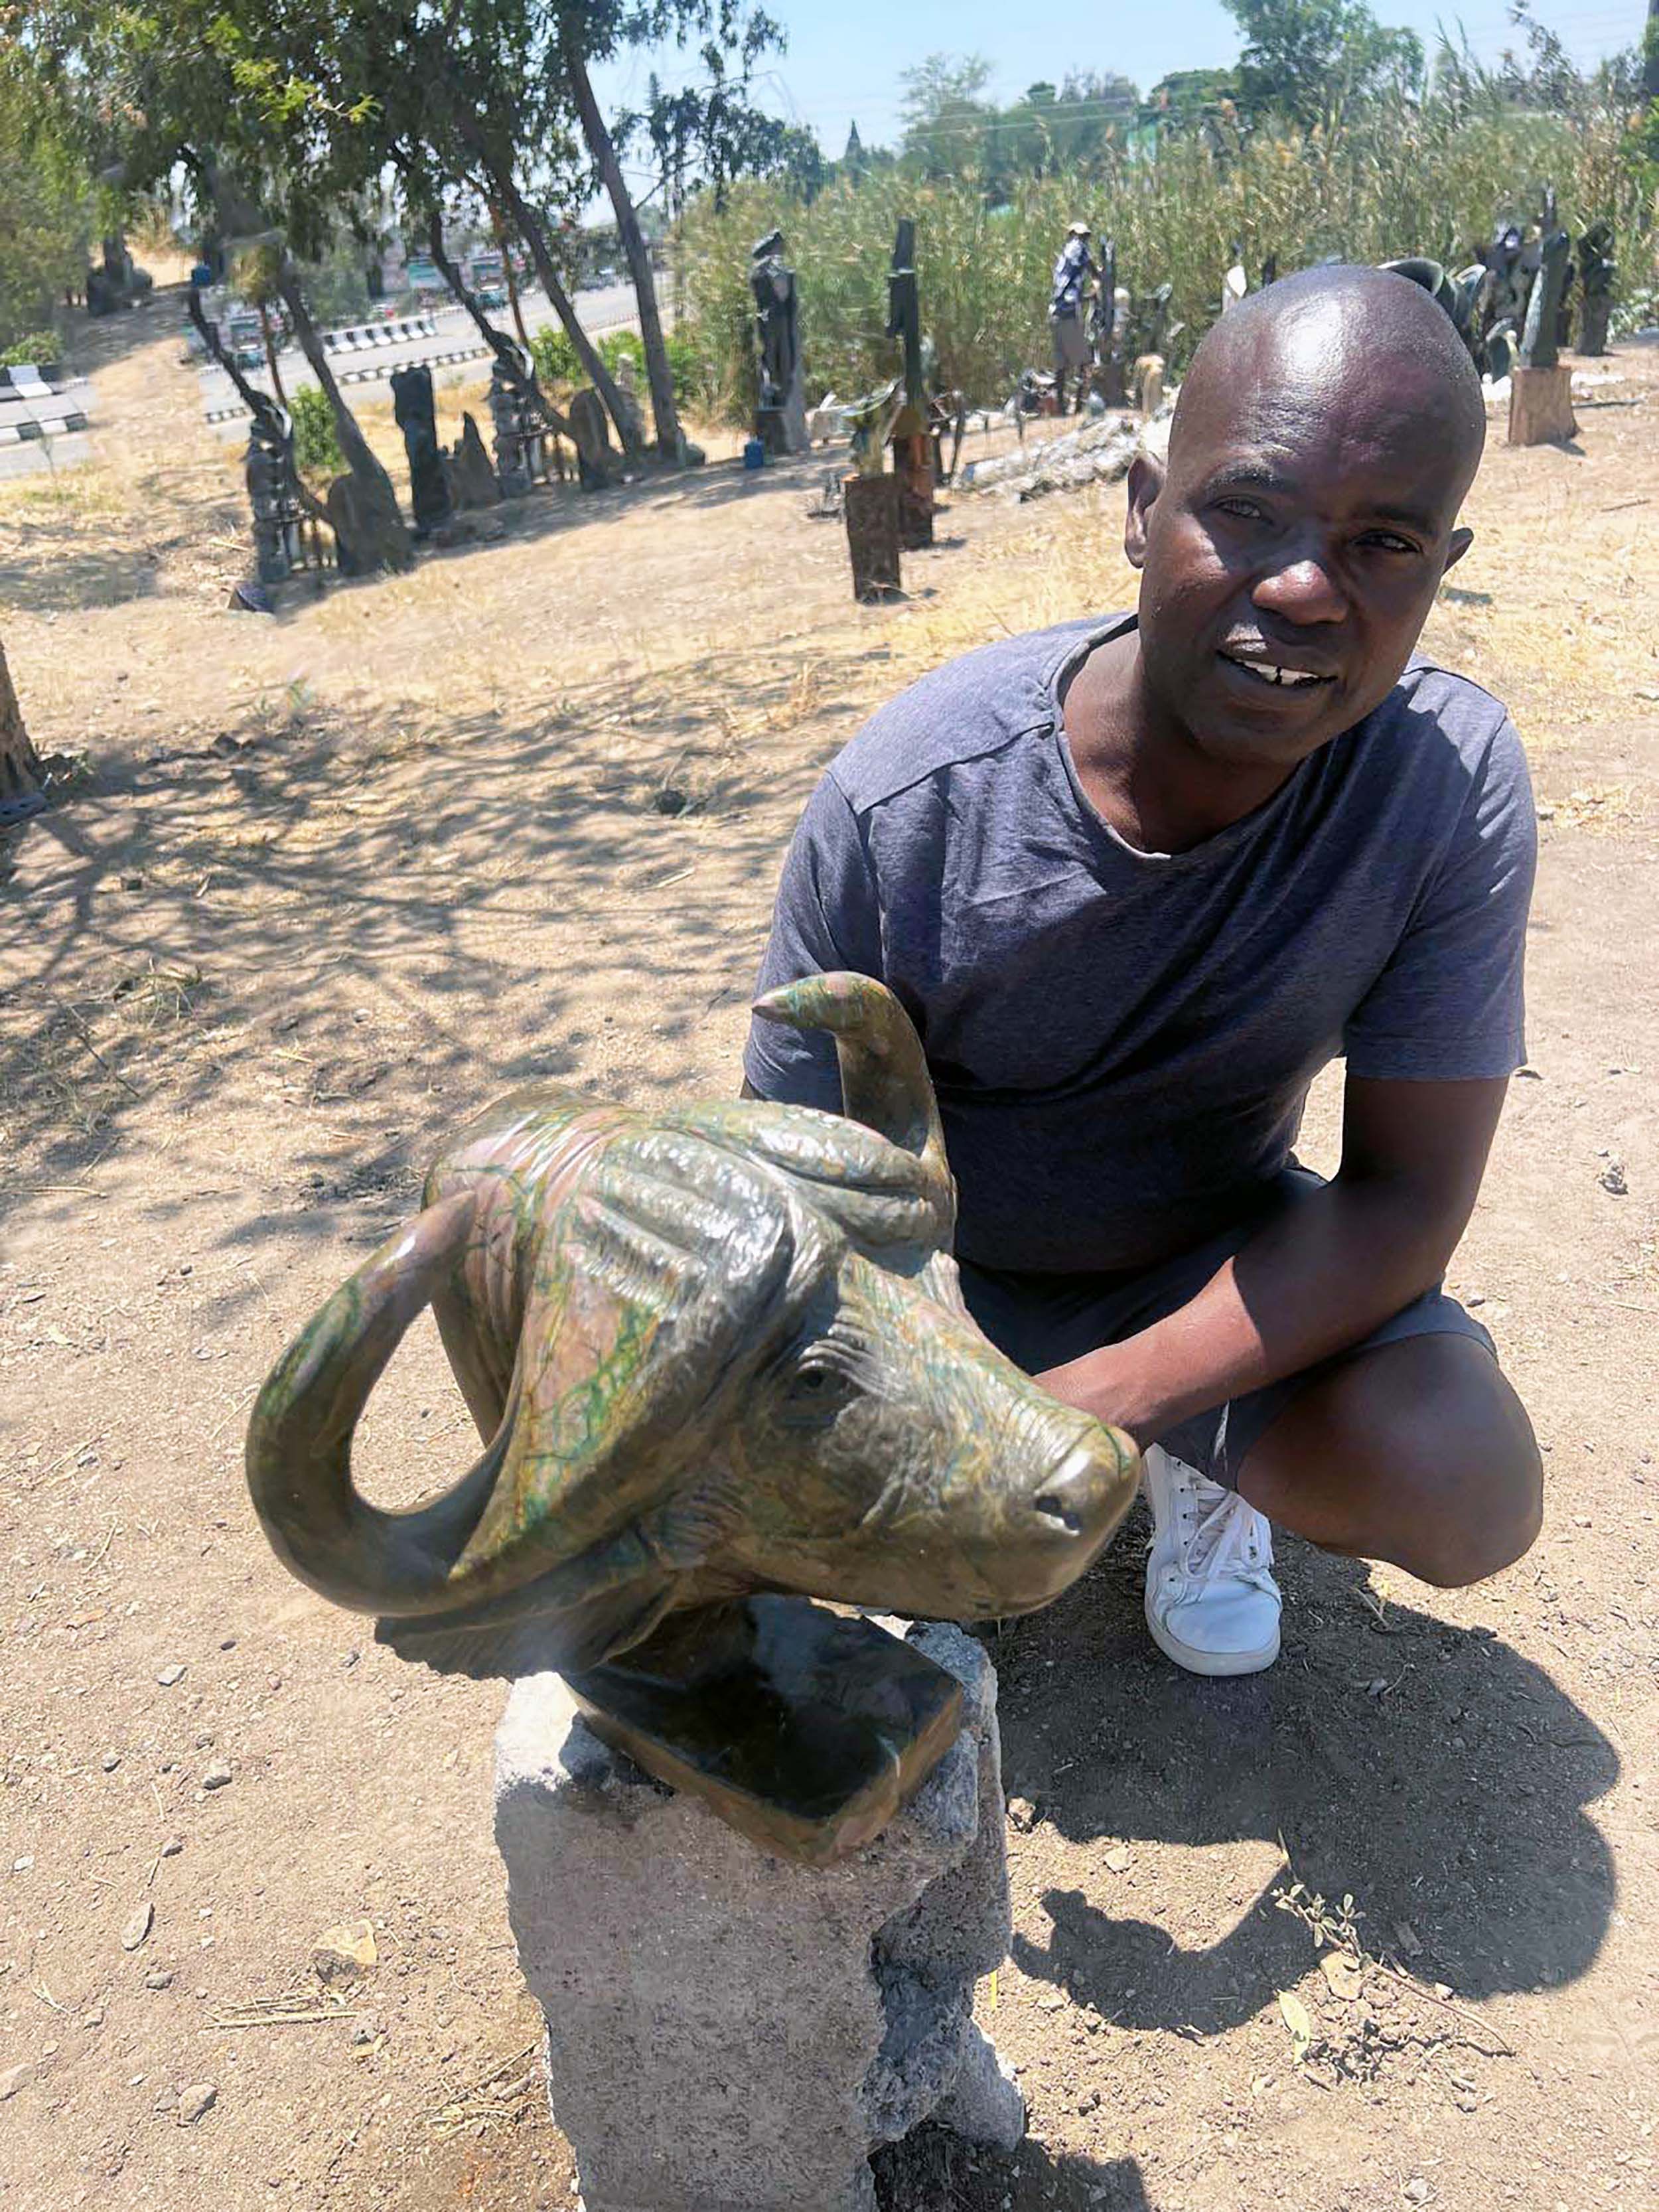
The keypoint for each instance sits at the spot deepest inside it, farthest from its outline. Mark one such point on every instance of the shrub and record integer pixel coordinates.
(34, 346)
(554, 357)
(316, 446)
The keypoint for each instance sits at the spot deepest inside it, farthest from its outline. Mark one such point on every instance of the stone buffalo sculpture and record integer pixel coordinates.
(714, 1350)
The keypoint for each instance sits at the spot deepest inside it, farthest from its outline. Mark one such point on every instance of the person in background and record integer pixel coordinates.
(1069, 315)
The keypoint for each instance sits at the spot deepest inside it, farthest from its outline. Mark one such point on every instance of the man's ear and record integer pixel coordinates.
(1456, 546)
(1145, 482)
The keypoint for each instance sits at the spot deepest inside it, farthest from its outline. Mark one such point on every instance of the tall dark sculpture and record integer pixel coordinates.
(912, 444)
(273, 489)
(416, 417)
(780, 414)
(1541, 334)
(713, 1351)
(1106, 351)
(904, 313)
(1596, 271)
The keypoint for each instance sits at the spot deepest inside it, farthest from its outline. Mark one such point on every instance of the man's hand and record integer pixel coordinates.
(1322, 1275)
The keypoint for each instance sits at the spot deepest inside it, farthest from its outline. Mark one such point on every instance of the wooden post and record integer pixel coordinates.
(1540, 406)
(873, 534)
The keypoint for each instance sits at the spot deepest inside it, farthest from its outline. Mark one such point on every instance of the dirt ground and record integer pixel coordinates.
(336, 879)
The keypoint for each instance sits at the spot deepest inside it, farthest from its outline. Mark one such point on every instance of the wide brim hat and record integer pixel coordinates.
(1078, 230)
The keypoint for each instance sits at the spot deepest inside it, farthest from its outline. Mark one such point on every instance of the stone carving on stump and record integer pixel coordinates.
(1541, 388)
(416, 417)
(272, 481)
(913, 448)
(653, 1318)
(781, 413)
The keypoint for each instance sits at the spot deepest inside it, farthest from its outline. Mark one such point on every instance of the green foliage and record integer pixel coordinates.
(316, 444)
(1311, 60)
(1397, 176)
(47, 202)
(34, 346)
(557, 369)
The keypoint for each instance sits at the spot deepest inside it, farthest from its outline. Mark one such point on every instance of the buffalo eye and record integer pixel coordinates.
(815, 1391)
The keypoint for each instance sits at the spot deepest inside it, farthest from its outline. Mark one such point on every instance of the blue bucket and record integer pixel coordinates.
(754, 454)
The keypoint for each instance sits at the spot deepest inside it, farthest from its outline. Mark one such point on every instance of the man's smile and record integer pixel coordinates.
(1276, 671)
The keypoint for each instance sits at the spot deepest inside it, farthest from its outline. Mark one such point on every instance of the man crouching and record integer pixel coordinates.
(1136, 880)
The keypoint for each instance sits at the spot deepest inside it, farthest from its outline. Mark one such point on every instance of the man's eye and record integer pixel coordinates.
(1385, 541)
(1242, 510)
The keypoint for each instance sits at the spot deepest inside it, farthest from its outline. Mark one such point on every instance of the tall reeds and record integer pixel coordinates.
(1395, 177)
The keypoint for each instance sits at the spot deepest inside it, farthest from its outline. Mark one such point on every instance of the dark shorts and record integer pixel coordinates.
(1042, 1321)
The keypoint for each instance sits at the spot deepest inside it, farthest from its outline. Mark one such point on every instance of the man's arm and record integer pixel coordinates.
(1326, 1272)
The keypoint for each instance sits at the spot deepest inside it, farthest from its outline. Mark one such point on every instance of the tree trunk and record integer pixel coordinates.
(660, 375)
(21, 772)
(376, 521)
(530, 230)
(510, 279)
(486, 329)
(278, 392)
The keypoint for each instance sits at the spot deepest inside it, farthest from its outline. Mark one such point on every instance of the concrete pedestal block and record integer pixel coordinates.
(728, 2032)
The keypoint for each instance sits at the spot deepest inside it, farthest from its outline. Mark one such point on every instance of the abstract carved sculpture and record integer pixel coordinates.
(721, 1364)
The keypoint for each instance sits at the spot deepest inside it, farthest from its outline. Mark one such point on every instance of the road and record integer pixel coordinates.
(602, 309)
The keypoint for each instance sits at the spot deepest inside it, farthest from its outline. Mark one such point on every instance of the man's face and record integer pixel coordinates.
(1292, 551)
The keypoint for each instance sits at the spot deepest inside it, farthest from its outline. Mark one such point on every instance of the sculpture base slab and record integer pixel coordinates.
(731, 2031)
(1540, 406)
(805, 1729)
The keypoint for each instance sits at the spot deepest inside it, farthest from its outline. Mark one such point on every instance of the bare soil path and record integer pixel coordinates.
(340, 877)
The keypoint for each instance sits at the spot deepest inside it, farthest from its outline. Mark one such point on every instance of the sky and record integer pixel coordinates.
(845, 56)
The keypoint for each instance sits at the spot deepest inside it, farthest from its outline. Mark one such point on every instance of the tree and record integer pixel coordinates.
(945, 119)
(46, 196)
(1311, 59)
(1187, 97)
(716, 123)
(210, 86)
(21, 772)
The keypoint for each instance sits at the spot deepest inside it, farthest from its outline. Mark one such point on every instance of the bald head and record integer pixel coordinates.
(1339, 338)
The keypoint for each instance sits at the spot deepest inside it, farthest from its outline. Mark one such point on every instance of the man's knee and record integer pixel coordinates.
(1459, 1443)
(1417, 1452)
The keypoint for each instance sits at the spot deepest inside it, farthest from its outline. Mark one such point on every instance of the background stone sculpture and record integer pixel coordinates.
(780, 414)
(715, 1350)
(416, 417)
(1539, 338)
(1596, 271)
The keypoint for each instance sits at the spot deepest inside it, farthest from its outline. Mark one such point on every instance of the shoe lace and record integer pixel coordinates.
(1230, 1542)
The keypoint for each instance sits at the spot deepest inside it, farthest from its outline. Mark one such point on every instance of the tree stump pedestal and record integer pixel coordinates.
(873, 534)
(1540, 406)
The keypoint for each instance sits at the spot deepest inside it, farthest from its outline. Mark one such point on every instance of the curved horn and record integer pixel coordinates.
(884, 1081)
(299, 1441)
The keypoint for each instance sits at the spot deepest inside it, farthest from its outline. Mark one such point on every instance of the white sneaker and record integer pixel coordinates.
(1212, 1603)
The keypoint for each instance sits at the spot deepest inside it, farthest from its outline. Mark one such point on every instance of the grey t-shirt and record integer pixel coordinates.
(1122, 1041)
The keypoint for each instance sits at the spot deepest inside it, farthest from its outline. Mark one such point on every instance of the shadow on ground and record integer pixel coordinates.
(314, 908)
(1428, 1771)
(934, 2171)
